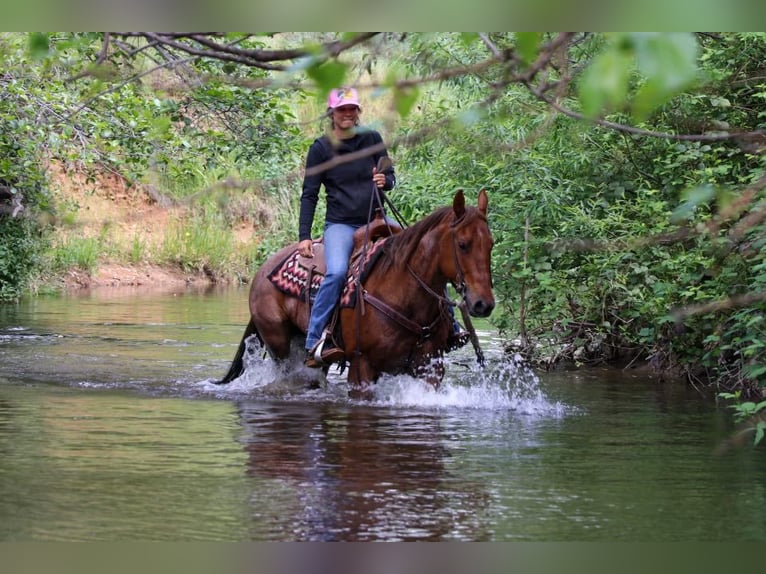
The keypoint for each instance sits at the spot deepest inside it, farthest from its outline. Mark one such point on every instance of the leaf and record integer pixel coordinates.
(39, 45)
(327, 76)
(528, 44)
(604, 84)
(468, 117)
(669, 62)
(160, 127)
(693, 197)
(303, 64)
(754, 372)
(759, 432)
(467, 38)
(747, 408)
(404, 100)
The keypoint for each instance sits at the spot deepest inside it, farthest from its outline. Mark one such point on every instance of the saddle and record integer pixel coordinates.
(301, 277)
(373, 231)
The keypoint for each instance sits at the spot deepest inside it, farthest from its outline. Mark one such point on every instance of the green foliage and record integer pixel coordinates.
(602, 233)
(22, 238)
(20, 247)
(182, 139)
(327, 75)
(748, 412)
(152, 130)
(666, 64)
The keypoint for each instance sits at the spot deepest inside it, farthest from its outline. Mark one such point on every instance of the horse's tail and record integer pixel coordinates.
(237, 365)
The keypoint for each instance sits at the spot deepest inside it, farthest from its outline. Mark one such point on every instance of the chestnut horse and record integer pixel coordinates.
(401, 322)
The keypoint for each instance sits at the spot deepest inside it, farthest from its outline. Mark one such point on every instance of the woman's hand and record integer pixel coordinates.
(305, 248)
(379, 179)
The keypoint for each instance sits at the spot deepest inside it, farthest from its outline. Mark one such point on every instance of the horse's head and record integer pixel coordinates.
(467, 259)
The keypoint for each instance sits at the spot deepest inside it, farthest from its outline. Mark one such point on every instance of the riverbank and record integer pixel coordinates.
(113, 234)
(143, 275)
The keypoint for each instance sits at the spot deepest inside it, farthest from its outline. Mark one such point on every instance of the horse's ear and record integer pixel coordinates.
(483, 201)
(458, 204)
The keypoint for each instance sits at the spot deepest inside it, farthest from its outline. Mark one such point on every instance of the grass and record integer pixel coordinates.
(199, 244)
(80, 252)
(137, 250)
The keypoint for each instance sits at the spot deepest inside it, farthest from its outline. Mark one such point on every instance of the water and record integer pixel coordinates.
(111, 429)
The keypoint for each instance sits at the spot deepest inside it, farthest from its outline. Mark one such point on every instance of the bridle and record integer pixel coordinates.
(424, 331)
(459, 282)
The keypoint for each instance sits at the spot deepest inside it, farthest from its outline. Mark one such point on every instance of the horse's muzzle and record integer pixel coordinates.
(480, 307)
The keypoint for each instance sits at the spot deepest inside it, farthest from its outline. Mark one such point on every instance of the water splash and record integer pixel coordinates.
(504, 384)
(264, 377)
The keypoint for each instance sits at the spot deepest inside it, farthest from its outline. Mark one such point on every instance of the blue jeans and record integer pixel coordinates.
(338, 244)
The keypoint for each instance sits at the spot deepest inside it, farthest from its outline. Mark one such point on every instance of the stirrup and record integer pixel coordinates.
(320, 355)
(312, 363)
(316, 352)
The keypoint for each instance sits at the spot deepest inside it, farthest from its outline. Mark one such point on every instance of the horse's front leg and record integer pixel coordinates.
(361, 378)
(431, 370)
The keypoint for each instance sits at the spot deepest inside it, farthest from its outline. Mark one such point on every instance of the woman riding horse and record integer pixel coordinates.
(398, 320)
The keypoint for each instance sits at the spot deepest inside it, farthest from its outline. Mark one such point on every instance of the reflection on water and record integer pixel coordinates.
(111, 429)
(358, 474)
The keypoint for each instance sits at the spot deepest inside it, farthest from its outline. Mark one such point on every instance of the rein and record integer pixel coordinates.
(422, 331)
(383, 163)
(459, 282)
(428, 290)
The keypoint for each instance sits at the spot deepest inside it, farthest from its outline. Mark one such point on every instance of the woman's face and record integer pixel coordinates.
(345, 117)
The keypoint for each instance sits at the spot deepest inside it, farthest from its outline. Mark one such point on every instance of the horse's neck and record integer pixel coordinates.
(427, 270)
(424, 270)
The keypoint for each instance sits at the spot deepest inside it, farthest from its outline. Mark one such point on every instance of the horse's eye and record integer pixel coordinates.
(463, 245)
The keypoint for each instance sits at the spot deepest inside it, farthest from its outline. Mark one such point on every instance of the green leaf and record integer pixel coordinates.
(404, 100)
(754, 371)
(327, 76)
(604, 84)
(692, 198)
(467, 38)
(39, 45)
(303, 64)
(528, 44)
(468, 117)
(759, 431)
(160, 127)
(669, 62)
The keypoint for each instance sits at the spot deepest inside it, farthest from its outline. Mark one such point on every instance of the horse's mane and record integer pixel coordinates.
(400, 248)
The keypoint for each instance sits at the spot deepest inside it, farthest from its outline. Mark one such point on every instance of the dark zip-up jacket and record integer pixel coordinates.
(348, 186)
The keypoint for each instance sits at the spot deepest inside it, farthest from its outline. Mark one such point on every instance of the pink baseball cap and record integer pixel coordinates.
(343, 97)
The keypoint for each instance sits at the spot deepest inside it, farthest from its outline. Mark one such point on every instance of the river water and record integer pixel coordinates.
(111, 429)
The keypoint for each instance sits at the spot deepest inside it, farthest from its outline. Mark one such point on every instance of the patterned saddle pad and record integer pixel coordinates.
(291, 276)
